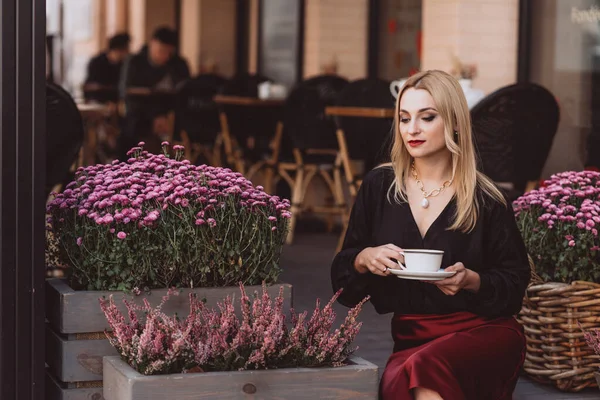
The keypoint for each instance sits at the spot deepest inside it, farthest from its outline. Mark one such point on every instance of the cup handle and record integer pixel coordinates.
(399, 263)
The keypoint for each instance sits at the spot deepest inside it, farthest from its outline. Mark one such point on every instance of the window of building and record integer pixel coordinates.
(564, 57)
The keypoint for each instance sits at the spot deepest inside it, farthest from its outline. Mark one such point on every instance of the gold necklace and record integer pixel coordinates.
(432, 193)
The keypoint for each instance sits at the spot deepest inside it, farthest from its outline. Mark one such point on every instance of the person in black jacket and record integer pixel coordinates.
(104, 70)
(147, 84)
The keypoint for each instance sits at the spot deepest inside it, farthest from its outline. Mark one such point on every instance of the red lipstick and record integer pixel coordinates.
(415, 143)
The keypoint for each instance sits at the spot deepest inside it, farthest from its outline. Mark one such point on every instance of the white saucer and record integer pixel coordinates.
(422, 275)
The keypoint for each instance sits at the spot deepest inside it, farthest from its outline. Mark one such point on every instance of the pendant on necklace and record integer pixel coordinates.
(424, 203)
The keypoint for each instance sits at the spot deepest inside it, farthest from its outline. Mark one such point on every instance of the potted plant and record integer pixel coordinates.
(213, 353)
(136, 228)
(559, 223)
(465, 74)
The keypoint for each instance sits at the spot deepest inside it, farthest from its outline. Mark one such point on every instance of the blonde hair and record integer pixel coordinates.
(452, 107)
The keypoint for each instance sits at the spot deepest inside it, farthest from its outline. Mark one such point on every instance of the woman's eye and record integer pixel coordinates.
(404, 120)
(429, 119)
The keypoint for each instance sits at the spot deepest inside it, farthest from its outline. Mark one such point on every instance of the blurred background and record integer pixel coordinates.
(298, 95)
(550, 42)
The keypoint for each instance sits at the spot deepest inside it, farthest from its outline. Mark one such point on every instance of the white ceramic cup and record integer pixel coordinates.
(422, 260)
(264, 90)
(396, 86)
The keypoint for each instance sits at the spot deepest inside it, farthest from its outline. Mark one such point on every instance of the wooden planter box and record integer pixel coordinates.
(75, 340)
(56, 390)
(359, 380)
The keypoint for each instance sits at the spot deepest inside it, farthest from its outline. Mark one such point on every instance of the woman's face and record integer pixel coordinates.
(421, 126)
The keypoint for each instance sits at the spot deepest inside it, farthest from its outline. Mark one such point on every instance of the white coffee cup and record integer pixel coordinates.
(396, 86)
(422, 260)
(264, 90)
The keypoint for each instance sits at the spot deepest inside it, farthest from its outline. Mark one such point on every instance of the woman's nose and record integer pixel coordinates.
(413, 127)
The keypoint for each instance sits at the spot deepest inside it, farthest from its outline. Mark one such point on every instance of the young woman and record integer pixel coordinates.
(455, 338)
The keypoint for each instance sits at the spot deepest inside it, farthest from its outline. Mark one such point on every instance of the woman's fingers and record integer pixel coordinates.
(378, 268)
(387, 260)
(447, 290)
(393, 247)
(378, 260)
(455, 267)
(446, 282)
(395, 252)
(450, 286)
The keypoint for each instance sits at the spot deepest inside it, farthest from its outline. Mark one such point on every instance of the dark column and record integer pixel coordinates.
(373, 41)
(524, 44)
(242, 32)
(22, 204)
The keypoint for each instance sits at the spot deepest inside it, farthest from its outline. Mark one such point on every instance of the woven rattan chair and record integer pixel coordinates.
(64, 136)
(311, 136)
(249, 126)
(513, 129)
(197, 124)
(364, 117)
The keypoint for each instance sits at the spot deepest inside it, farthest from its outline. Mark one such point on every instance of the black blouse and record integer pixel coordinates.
(494, 249)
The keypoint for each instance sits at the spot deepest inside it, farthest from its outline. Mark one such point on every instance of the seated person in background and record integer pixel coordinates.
(148, 78)
(454, 338)
(104, 70)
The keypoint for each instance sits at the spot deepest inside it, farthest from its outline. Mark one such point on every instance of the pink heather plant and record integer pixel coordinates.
(218, 340)
(156, 222)
(559, 223)
(592, 338)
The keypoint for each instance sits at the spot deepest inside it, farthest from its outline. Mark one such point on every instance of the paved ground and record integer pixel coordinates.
(306, 266)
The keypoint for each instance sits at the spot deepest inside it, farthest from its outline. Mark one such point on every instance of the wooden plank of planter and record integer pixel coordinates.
(71, 311)
(359, 380)
(76, 360)
(55, 390)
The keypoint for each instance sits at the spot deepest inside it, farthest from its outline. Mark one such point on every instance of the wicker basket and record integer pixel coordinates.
(556, 350)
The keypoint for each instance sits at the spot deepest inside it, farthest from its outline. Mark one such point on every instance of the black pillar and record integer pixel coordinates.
(22, 204)
(242, 32)
(524, 43)
(373, 40)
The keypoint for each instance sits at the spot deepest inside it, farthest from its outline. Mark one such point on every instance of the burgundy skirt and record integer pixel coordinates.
(461, 356)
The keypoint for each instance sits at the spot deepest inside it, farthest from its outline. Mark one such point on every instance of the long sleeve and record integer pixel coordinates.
(343, 273)
(506, 274)
(94, 71)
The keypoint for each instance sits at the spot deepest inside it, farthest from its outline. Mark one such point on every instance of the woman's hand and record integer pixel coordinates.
(378, 260)
(463, 279)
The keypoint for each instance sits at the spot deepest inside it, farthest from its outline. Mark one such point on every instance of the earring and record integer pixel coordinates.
(456, 136)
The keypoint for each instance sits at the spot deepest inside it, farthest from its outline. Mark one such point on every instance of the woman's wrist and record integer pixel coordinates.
(473, 281)
(359, 264)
